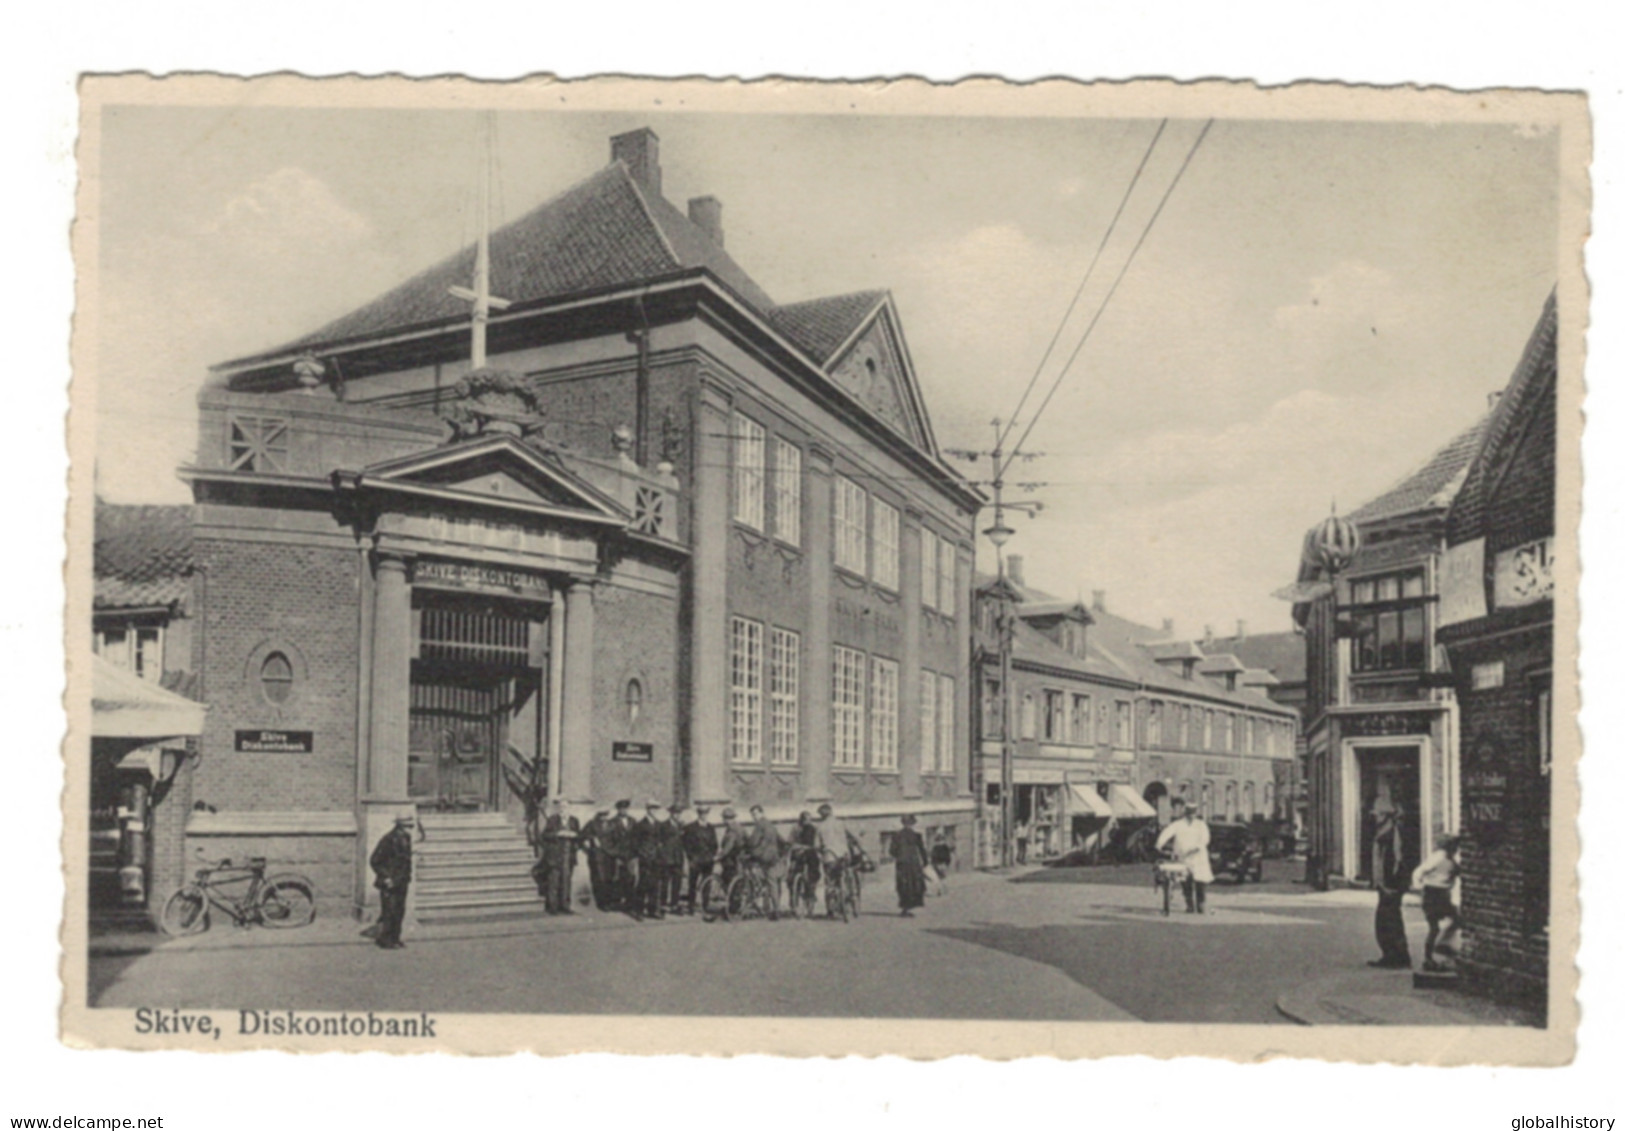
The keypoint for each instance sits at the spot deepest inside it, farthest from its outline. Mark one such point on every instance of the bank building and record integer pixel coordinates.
(579, 512)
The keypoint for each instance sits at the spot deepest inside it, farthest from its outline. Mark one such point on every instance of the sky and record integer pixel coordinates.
(1317, 308)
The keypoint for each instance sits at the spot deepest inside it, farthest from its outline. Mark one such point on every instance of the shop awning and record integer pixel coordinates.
(123, 705)
(1125, 802)
(1085, 802)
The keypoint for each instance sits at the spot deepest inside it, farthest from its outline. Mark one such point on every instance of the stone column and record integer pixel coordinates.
(389, 725)
(708, 640)
(908, 722)
(817, 529)
(575, 774)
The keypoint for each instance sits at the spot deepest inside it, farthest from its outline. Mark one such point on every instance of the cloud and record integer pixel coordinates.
(286, 209)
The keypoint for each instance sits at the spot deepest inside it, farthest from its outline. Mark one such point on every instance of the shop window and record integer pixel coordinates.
(885, 545)
(750, 470)
(745, 690)
(258, 443)
(276, 678)
(786, 491)
(1388, 618)
(851, 526)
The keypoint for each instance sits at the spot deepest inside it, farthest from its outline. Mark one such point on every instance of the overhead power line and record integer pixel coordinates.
(1077, 294)
(1101, 309)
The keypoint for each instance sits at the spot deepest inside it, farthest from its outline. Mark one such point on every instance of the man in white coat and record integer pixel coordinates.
(1187, 835)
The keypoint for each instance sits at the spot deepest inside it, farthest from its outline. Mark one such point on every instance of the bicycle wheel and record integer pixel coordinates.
(835, 899)
(287, 901)
(801, 897)
(854, 892)
(738, 903)
(713, 899)
(186, 912)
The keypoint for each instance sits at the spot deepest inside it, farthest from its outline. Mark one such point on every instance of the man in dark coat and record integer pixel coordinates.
(908, 849)
(559, 835)
(651, 841)
(392, 871)
(1391, 877)
(769, 851)
(700, 848)
(669, 860)
(620, 848)
(592, 842)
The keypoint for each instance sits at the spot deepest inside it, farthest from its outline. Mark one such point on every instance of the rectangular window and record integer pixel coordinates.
(847, 695)
(745, 687)
(1207, 730)
(928, 719)
(947, 576)
(1125, 724)
(992, 709)
(851, 526)
(885, 545)
(784, 690)
(258, 443)
(1083, 731)
(149, 653)
(113, 645)
(1389, 622)
(945, 724)
(786, 491)
(1184, 726)
(883, 714)
(1054, 716)
(1029, 716)
(1153, 723)
(750, 470)
(928, 568)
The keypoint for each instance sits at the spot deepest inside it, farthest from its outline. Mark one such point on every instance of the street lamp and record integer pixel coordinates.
(1332, 546)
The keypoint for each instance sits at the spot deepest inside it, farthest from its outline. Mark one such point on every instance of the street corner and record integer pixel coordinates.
(1386, 997)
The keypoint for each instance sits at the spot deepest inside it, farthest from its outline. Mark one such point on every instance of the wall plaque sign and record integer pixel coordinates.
(632, 751)
(276, 741)
(482, 578)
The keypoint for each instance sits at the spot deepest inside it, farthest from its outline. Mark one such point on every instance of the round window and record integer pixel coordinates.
(276, 678)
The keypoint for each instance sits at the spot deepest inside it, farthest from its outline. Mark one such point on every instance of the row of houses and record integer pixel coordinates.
(1429, 672)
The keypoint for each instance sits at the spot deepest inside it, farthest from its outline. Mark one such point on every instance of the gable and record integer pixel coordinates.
(874, 371)
(500, 470)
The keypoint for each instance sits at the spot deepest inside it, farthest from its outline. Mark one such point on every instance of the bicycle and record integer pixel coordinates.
(803, 882)
(712, 897)
(283, 900)
(843, 890)
(1166, 875)
(750, 896)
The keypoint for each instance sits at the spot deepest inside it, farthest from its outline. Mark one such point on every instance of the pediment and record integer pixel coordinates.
(498, 471)
(873, 367)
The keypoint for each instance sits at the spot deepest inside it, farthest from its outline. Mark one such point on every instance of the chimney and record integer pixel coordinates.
(1013, 569)
(1241, 630)
(1099, 602)
(1207, 634)
(639, 151)
(706, 214)
(1167, 626)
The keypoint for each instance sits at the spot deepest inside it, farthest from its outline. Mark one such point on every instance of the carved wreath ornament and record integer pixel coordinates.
(493, 400)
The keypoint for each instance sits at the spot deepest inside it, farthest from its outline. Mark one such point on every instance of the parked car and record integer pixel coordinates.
(1237, 852)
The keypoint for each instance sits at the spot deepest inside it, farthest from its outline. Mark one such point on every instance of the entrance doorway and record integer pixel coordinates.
(1392, 774)
(477, 677)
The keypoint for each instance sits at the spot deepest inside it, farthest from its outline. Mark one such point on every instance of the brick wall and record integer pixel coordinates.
(635, 637)
(303, 602)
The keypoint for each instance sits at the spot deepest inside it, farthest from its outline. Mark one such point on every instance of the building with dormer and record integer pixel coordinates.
(673, 540)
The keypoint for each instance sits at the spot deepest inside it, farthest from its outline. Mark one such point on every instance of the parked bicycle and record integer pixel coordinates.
(244, 892)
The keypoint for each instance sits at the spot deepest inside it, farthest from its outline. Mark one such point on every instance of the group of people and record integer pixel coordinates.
(1436, 877)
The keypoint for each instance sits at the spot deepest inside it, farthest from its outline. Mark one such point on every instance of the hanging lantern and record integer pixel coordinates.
(1334, 543)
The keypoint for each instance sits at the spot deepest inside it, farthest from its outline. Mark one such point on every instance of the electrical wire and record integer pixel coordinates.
(1077, 294)
(1101, 309)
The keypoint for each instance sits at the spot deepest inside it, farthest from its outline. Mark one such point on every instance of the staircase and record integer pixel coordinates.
(473, 866)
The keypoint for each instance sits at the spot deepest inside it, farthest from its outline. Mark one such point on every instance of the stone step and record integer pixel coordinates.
(457, 834)
(442, 901)
(464, 820)
(521, 857)
(473, 873)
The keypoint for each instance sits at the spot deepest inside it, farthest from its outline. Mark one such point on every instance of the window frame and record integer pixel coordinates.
(262, 436)
(947, 708)
(1388, 620)
(848, 681)
(1123, 725)
(851, 539)
(884, 689)
(884, 554)
(786, 468)
(745, 691)
(947, 577)
(1053, 715)
(1082, 735)
(784, 697)
(928, 721)
(929, 561)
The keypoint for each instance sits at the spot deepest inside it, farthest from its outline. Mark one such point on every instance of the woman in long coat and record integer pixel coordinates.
(908, 850)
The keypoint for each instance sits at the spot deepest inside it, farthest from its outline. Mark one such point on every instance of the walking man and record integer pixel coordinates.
(392, 869)
(700, 848)
(559, 835)
(1391, 879)
(1188, 836)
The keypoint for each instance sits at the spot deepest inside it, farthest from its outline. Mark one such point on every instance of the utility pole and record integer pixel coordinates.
(999, 533)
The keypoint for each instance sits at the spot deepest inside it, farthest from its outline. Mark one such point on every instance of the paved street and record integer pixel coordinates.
(1074, 944)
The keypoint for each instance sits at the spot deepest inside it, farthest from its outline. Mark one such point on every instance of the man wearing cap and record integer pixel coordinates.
(700, 849)
(1187, 837)
(669, 860)
(392, 867)
(651, 851)
(835, 844)
(619, 843)
(733, 846)
(559, 835)
(767, 848)
(1391, 878)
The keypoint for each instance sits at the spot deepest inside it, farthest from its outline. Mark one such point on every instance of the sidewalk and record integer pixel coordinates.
(1386, 997)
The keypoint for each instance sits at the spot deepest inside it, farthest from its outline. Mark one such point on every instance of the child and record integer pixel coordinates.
(1436, 876)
